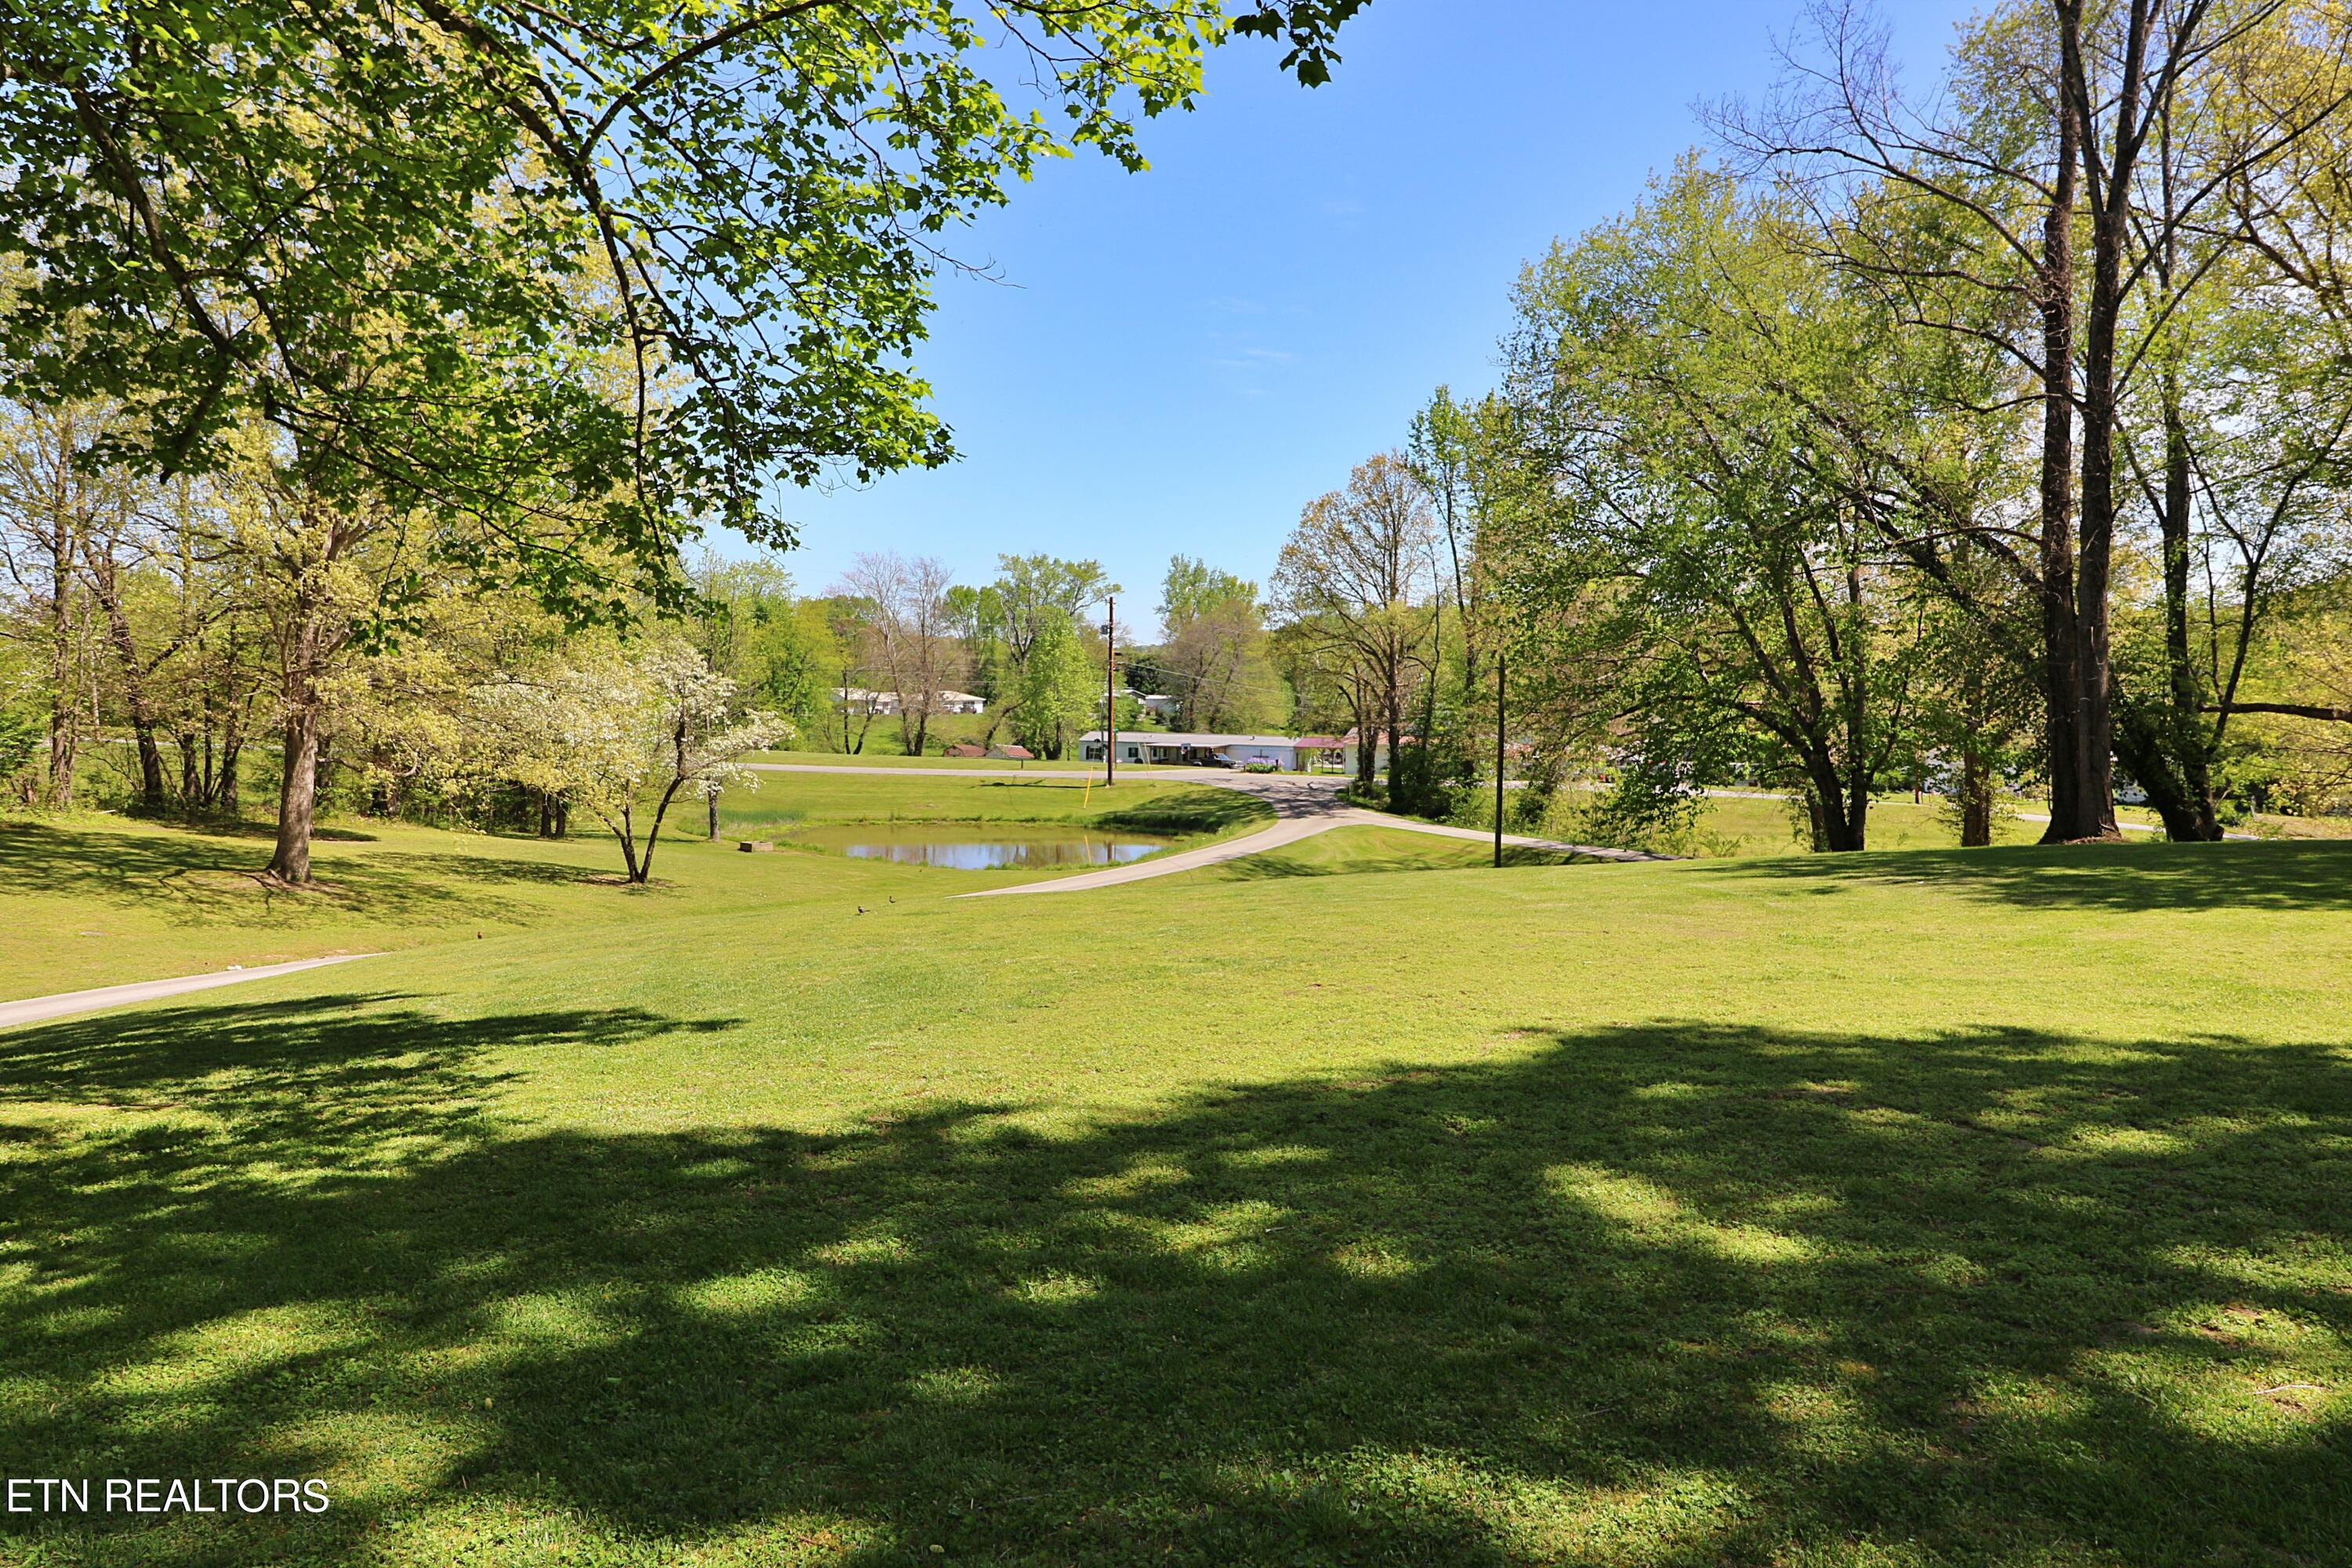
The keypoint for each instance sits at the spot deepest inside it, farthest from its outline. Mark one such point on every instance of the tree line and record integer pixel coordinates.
(1991, 438)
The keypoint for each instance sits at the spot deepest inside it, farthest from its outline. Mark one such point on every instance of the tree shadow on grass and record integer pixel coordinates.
(199, 878)
(247, 828)
(1209, 809)
(496, 869)
(1672, 1294)
(2129, 876)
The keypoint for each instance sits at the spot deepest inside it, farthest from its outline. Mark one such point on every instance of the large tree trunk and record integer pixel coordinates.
(1976, 798)
(1839, 810)
(152, 795)
(2185, 730)
(298, 791)
(2061, 675)
(2095, 809)
(298, 794)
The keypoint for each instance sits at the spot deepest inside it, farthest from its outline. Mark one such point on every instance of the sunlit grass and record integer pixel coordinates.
(1924, 1207)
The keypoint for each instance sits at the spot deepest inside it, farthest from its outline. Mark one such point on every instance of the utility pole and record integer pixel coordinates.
(1110, 695)
(1498, 759)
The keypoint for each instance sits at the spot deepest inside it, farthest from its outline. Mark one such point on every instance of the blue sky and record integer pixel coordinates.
(1180, 360)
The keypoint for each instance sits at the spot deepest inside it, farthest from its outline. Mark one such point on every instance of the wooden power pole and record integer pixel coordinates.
(1110, 695)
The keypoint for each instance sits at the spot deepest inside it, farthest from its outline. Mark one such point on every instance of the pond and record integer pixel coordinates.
(980, 847)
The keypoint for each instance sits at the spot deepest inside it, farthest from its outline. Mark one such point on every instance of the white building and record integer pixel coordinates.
(859, 700)
(1163, 707)
(1290, 754)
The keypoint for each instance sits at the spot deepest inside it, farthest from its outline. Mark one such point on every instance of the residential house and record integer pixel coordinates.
(1289, 753)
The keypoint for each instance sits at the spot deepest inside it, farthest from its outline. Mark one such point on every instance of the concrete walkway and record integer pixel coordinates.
(65, 1004)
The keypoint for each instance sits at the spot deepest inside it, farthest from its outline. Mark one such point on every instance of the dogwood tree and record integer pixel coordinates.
(623, 735)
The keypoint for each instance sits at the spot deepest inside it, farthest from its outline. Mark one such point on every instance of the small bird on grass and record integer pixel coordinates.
(861, 909)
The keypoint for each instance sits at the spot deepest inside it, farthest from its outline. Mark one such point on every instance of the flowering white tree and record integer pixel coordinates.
(622, 735)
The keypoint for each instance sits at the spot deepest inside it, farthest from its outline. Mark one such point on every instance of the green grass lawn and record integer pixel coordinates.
(1916, 1209)
(98, 901)
(1355, 851)
(1732, 827)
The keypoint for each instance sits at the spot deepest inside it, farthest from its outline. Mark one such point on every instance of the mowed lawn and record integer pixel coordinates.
(1921, 1207)
(97, 901)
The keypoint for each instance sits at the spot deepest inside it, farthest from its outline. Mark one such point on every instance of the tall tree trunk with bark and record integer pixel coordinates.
(298, 793)
(2197, 809)
(1976, 798)
(2061, 673)
(2108, 177)
(303, 652)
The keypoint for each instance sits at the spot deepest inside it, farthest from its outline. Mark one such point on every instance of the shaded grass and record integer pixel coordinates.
(1740, 828)
(1915, 1208)
(1665, 1294)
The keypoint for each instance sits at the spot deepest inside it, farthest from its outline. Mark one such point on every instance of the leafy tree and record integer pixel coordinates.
(1354, 581)
(910, 643)
(542, 288)
(1035, 608)
(52, 508)
(606, 730)
(390, 231)
(1214, 653)
(2074, 177)
(1696, 558)
(1060, 687)
(1193, 587)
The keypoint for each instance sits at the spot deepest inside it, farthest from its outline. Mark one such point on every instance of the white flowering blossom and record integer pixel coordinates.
(622, 734)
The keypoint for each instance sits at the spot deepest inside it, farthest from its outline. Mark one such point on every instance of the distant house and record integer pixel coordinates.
(1012, 754)
(859, 700)
(1163, 707)
(1348, 746)
(968, 751)
(1289, 753)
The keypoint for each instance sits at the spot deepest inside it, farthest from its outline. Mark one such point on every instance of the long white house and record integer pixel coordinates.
(1291, 753)
(859, 700)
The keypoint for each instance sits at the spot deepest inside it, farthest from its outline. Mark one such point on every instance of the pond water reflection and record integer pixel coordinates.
(980, 847)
